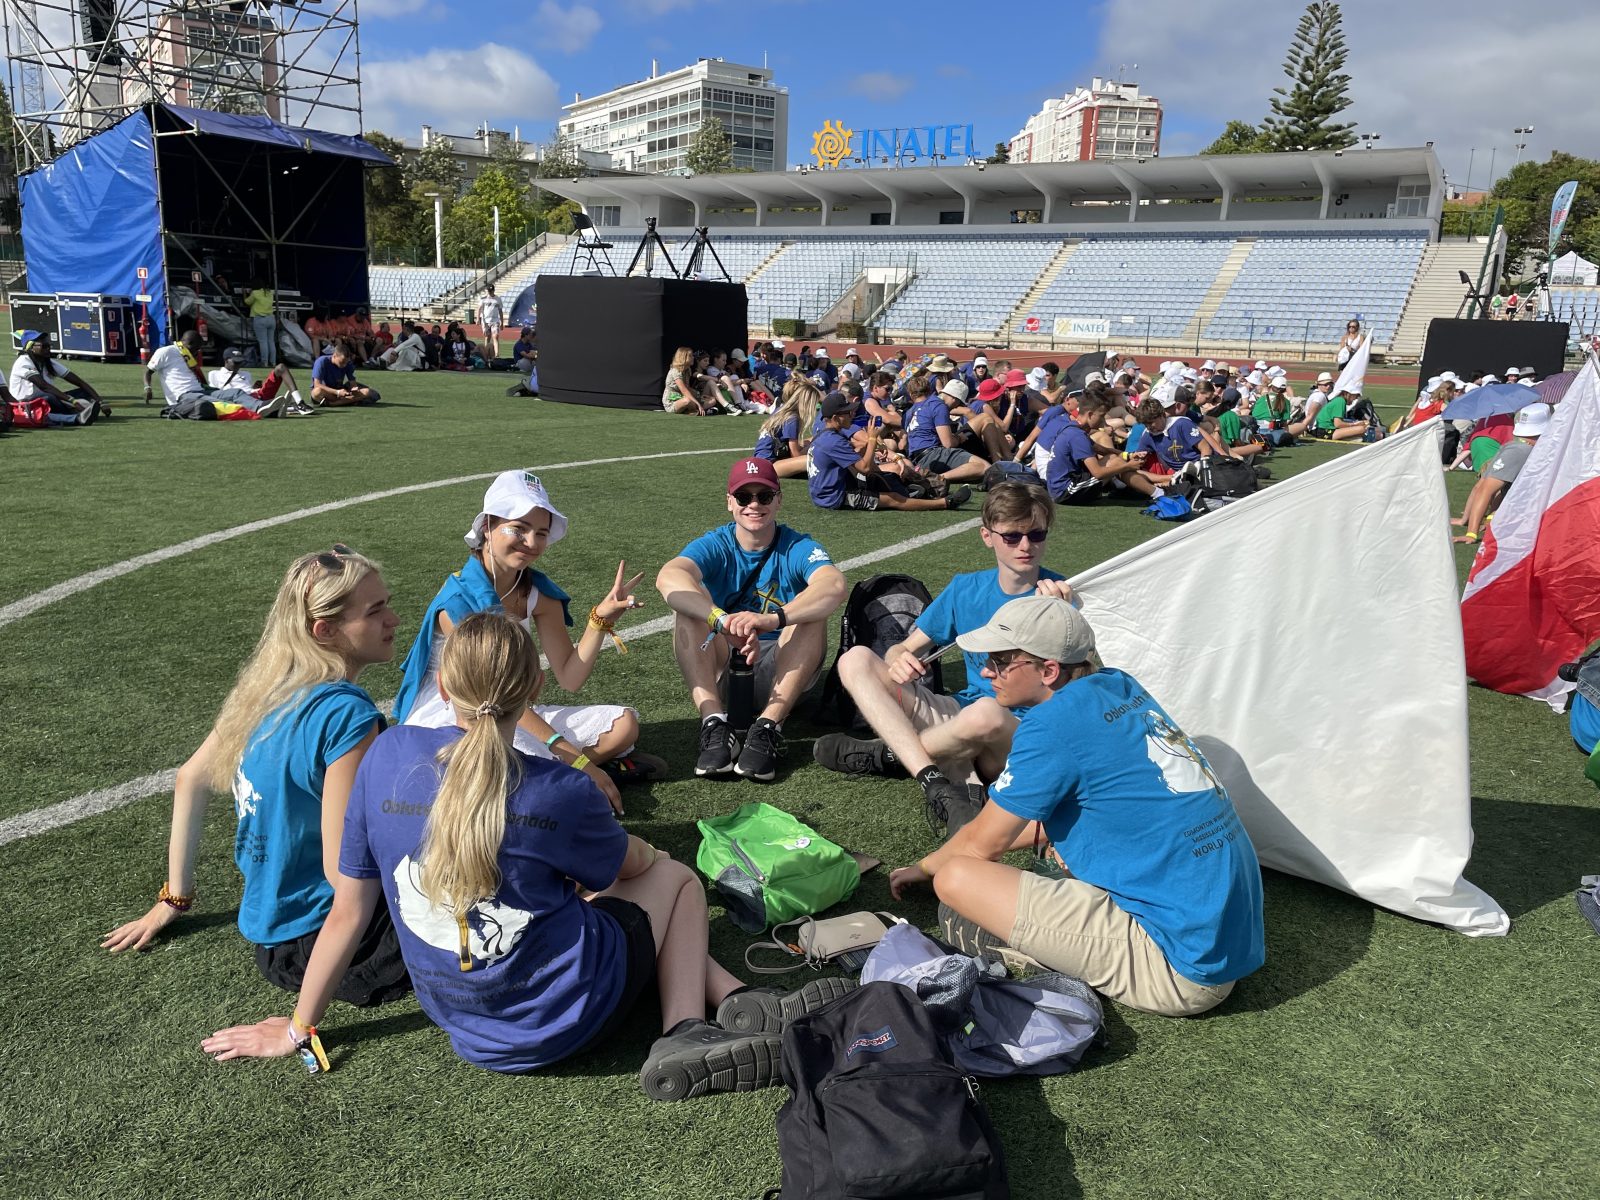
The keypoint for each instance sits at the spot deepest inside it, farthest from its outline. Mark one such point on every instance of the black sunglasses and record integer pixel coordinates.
(755, 496)
(1035, 536)
(333, 559)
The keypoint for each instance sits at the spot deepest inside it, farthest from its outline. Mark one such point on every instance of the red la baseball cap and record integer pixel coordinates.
(752, 470)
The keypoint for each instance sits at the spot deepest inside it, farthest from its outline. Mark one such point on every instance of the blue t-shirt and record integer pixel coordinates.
(1069, 448)
(725, 568)
(771, 448)
(1175, 445)
(547, 968)
(859, 421)
(1047, 423)
(1133, 807)
(277, 793)
(775, 375)
(922, 424)
(829, 464)
(330, 375)
(967, 603)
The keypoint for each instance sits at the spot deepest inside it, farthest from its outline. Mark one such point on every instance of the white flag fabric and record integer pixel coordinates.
(1308, 639)
(1354, 374)
(1533, 599)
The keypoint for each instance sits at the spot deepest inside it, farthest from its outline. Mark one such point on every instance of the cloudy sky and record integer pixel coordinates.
(1462, 74)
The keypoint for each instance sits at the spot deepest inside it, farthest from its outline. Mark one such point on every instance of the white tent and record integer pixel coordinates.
(1572, 269)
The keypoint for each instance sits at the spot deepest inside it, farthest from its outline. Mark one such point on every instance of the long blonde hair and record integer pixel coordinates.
(800, 398)
(288, 660)
(683, 363)
(488, 667)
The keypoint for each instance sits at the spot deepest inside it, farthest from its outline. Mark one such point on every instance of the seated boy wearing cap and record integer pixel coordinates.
(1501, 471)
(756, 588)
(840, 476)
(1162, 910)
(931, 438)
(947, 742)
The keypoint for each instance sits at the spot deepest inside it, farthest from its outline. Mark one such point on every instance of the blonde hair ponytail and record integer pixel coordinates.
(288, 659)
(489, 667)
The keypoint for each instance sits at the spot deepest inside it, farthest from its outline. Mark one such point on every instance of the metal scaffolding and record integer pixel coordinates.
(75, 67)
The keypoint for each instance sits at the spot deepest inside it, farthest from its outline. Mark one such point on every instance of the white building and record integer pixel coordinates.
(1107, 120)
(648, 126)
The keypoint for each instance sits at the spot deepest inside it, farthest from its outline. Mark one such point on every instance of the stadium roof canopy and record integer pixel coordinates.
(1313, 186)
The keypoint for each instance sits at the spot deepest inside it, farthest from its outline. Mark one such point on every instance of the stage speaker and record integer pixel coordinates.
(607, 341)
(1470, 347)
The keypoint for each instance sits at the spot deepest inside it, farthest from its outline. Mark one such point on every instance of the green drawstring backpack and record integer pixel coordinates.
(767, 867)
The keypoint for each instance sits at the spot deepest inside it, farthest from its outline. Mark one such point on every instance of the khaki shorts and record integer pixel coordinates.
(1072, 926)
(926, 708)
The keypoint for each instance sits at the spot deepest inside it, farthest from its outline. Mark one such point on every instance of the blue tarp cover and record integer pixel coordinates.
(265, 129)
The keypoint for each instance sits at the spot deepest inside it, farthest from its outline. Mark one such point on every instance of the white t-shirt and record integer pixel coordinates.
(177, 376)
(490, 311)
(222, 377)
(24, 376)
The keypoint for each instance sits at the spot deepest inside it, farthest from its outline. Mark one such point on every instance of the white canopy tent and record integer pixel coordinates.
(1573, 270)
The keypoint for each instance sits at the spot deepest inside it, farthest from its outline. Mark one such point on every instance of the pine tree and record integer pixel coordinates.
(711, 151)
(1303, 114)
(1002, 153)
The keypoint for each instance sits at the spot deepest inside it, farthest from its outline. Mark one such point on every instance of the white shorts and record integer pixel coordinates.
(580, 724)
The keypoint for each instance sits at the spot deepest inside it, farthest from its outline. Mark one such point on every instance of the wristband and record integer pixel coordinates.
(783, 617)
(171, 900)
(580, 762)
(550, 741)
(606, 627)
(308, 1046)
(714, 618)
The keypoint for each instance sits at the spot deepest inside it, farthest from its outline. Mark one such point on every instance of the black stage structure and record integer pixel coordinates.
(1465, 346)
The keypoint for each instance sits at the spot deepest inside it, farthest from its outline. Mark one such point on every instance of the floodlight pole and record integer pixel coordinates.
(438, 228)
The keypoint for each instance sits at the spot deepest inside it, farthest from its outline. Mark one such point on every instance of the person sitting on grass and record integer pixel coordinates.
(932, 443)
(1170, 442)
(1230, 430)
(333, 380)
(1081, 472)
(234, 374)
(409, 353)
(1501, 471)
(684, 392)
(33, 377)
(287, 744)
(1345, 418)
(517, 525)
(1162, 909)
(188, 395)
(947, 742)
(759, 589)
(787, 432)
(1274, 415)
(532, 922)
(839, 477)
(460, 352)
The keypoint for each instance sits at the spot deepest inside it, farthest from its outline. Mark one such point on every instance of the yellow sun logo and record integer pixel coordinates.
(831, 143)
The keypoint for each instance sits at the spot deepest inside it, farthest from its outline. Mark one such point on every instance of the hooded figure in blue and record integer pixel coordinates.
(517, 525)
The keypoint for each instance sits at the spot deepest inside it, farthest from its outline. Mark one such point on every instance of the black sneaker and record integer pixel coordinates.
(942, 800)
(855, 756)
(763, 743)
(695, 1057)
(960, 810)
(634, 768)
(769, 1010)
(718, 747)
(958, 497)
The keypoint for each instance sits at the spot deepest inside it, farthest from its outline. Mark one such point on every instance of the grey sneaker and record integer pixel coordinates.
(696, 1057)
(769, 1010)
(958, 497)
(274, 406)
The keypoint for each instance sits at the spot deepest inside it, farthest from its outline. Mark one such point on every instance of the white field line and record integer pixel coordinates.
(67, 812)
(18, 609)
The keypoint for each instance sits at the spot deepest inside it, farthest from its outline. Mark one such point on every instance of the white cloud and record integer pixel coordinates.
(567, 29)
(1419, 72)
(880, 85)
(456, 90)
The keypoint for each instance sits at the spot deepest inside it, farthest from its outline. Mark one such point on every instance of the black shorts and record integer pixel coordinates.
(1083, 493)
(639, 963)
(377, 973)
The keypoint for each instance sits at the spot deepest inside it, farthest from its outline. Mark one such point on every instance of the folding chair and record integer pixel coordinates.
(589, 242)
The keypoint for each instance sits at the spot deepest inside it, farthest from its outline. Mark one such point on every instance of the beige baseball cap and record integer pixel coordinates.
(1045, 626)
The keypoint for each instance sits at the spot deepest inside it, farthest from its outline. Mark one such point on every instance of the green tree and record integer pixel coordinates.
(469, 225)
(10, 207)
(711, 150)
(1002, 153)
(393, 213)
(1527, 192)
(1303, 114)
(558, 159)
(435, 165)
(1239, 137)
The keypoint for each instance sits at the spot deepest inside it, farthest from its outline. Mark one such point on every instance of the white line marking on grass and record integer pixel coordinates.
(54, 816)
(18, 609)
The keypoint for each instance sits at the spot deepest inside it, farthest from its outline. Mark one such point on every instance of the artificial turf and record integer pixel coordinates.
(1372, 1055)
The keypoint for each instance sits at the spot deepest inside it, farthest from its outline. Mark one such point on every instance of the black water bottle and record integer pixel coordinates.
(741, 693)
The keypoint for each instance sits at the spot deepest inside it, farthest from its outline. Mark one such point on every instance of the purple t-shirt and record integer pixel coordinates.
(1070, 448)
(1175, 445)
(773, 449)
(547, 968)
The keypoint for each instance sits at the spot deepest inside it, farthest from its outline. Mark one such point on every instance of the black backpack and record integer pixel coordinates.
(1227, 477)
(879, 613)
(876, 1107)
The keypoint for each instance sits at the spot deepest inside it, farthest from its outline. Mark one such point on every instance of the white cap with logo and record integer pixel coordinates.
(1045, 626)
(512, 496)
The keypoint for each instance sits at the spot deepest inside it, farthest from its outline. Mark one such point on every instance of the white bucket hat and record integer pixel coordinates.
(512, 496)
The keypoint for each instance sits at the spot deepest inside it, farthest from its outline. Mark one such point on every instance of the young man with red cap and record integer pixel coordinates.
(759, 589)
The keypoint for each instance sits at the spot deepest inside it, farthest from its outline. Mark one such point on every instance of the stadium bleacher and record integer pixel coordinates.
(1294, 287)
(1158, 281)
(411, 288)
(1579, 307)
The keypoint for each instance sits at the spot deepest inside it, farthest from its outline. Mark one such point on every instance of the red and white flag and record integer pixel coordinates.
(1533, 597)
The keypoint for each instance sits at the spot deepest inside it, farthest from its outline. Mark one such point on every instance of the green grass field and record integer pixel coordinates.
(1372, 1056)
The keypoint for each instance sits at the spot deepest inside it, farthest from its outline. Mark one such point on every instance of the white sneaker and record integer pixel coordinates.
(86, 411)
(273, 407)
